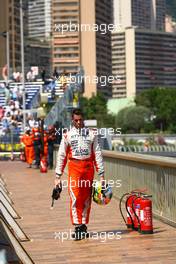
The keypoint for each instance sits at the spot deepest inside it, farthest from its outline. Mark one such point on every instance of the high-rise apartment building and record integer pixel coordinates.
(148, 14)
(38, 53)
(79, 44)
(160, 14)
(39, 19)
(119, 65)
(66, 44)
(38, 42)
(10, 22)
(143, 59)
(104, 15)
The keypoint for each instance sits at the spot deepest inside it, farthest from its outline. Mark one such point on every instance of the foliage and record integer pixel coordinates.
(171, 8)
(96, 108)
(132, 119)
(162, 104)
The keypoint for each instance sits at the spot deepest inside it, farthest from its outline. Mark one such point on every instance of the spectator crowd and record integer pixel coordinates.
(11, 112)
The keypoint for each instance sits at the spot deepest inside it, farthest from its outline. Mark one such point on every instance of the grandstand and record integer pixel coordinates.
(11, 122)
(50, 91)
(31, 89)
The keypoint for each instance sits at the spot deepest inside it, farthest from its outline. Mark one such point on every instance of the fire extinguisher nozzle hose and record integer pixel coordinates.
(120, 206)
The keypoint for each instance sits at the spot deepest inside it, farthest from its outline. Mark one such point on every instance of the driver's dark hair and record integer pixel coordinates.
(77, 111)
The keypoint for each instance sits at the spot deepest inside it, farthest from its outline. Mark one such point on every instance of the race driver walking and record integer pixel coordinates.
(81, 148)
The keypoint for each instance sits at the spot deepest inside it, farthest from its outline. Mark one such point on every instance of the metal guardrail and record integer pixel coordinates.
(10, 232)
(6, 196)
(8, 206)
(18, 232)
(14, 252)
(3, 187)
(156, 174)
(9, 213)
(10, 138)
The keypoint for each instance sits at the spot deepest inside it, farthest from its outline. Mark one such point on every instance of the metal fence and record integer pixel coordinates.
(9, 143)
(10, 138)
(156, 174)
(12, 235)
(138, 148)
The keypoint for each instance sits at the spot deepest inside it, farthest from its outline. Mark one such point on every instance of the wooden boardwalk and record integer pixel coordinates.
(31, 192)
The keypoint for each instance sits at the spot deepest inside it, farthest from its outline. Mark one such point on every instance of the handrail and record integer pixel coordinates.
(18, 232)
(147, 159)
(16, 245)
(9, 206)
(156, 174)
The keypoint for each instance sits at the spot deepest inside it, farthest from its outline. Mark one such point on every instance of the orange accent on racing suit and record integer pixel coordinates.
(82, 149)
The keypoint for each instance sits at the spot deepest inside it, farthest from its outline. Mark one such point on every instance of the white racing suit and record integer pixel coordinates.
(82, 149)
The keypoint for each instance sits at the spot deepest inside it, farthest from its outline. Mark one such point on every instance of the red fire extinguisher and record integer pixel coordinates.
(43, 165)
(129, 221)
(136, 211)
(129, 209)
(139, 211)
(146, 223)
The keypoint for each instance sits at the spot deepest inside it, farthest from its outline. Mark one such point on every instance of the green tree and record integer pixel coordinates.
(162, 104)
(132, 119)
(96, 108)
(171, 7)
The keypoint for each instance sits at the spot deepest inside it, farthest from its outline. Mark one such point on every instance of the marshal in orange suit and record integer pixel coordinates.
(29, 147)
